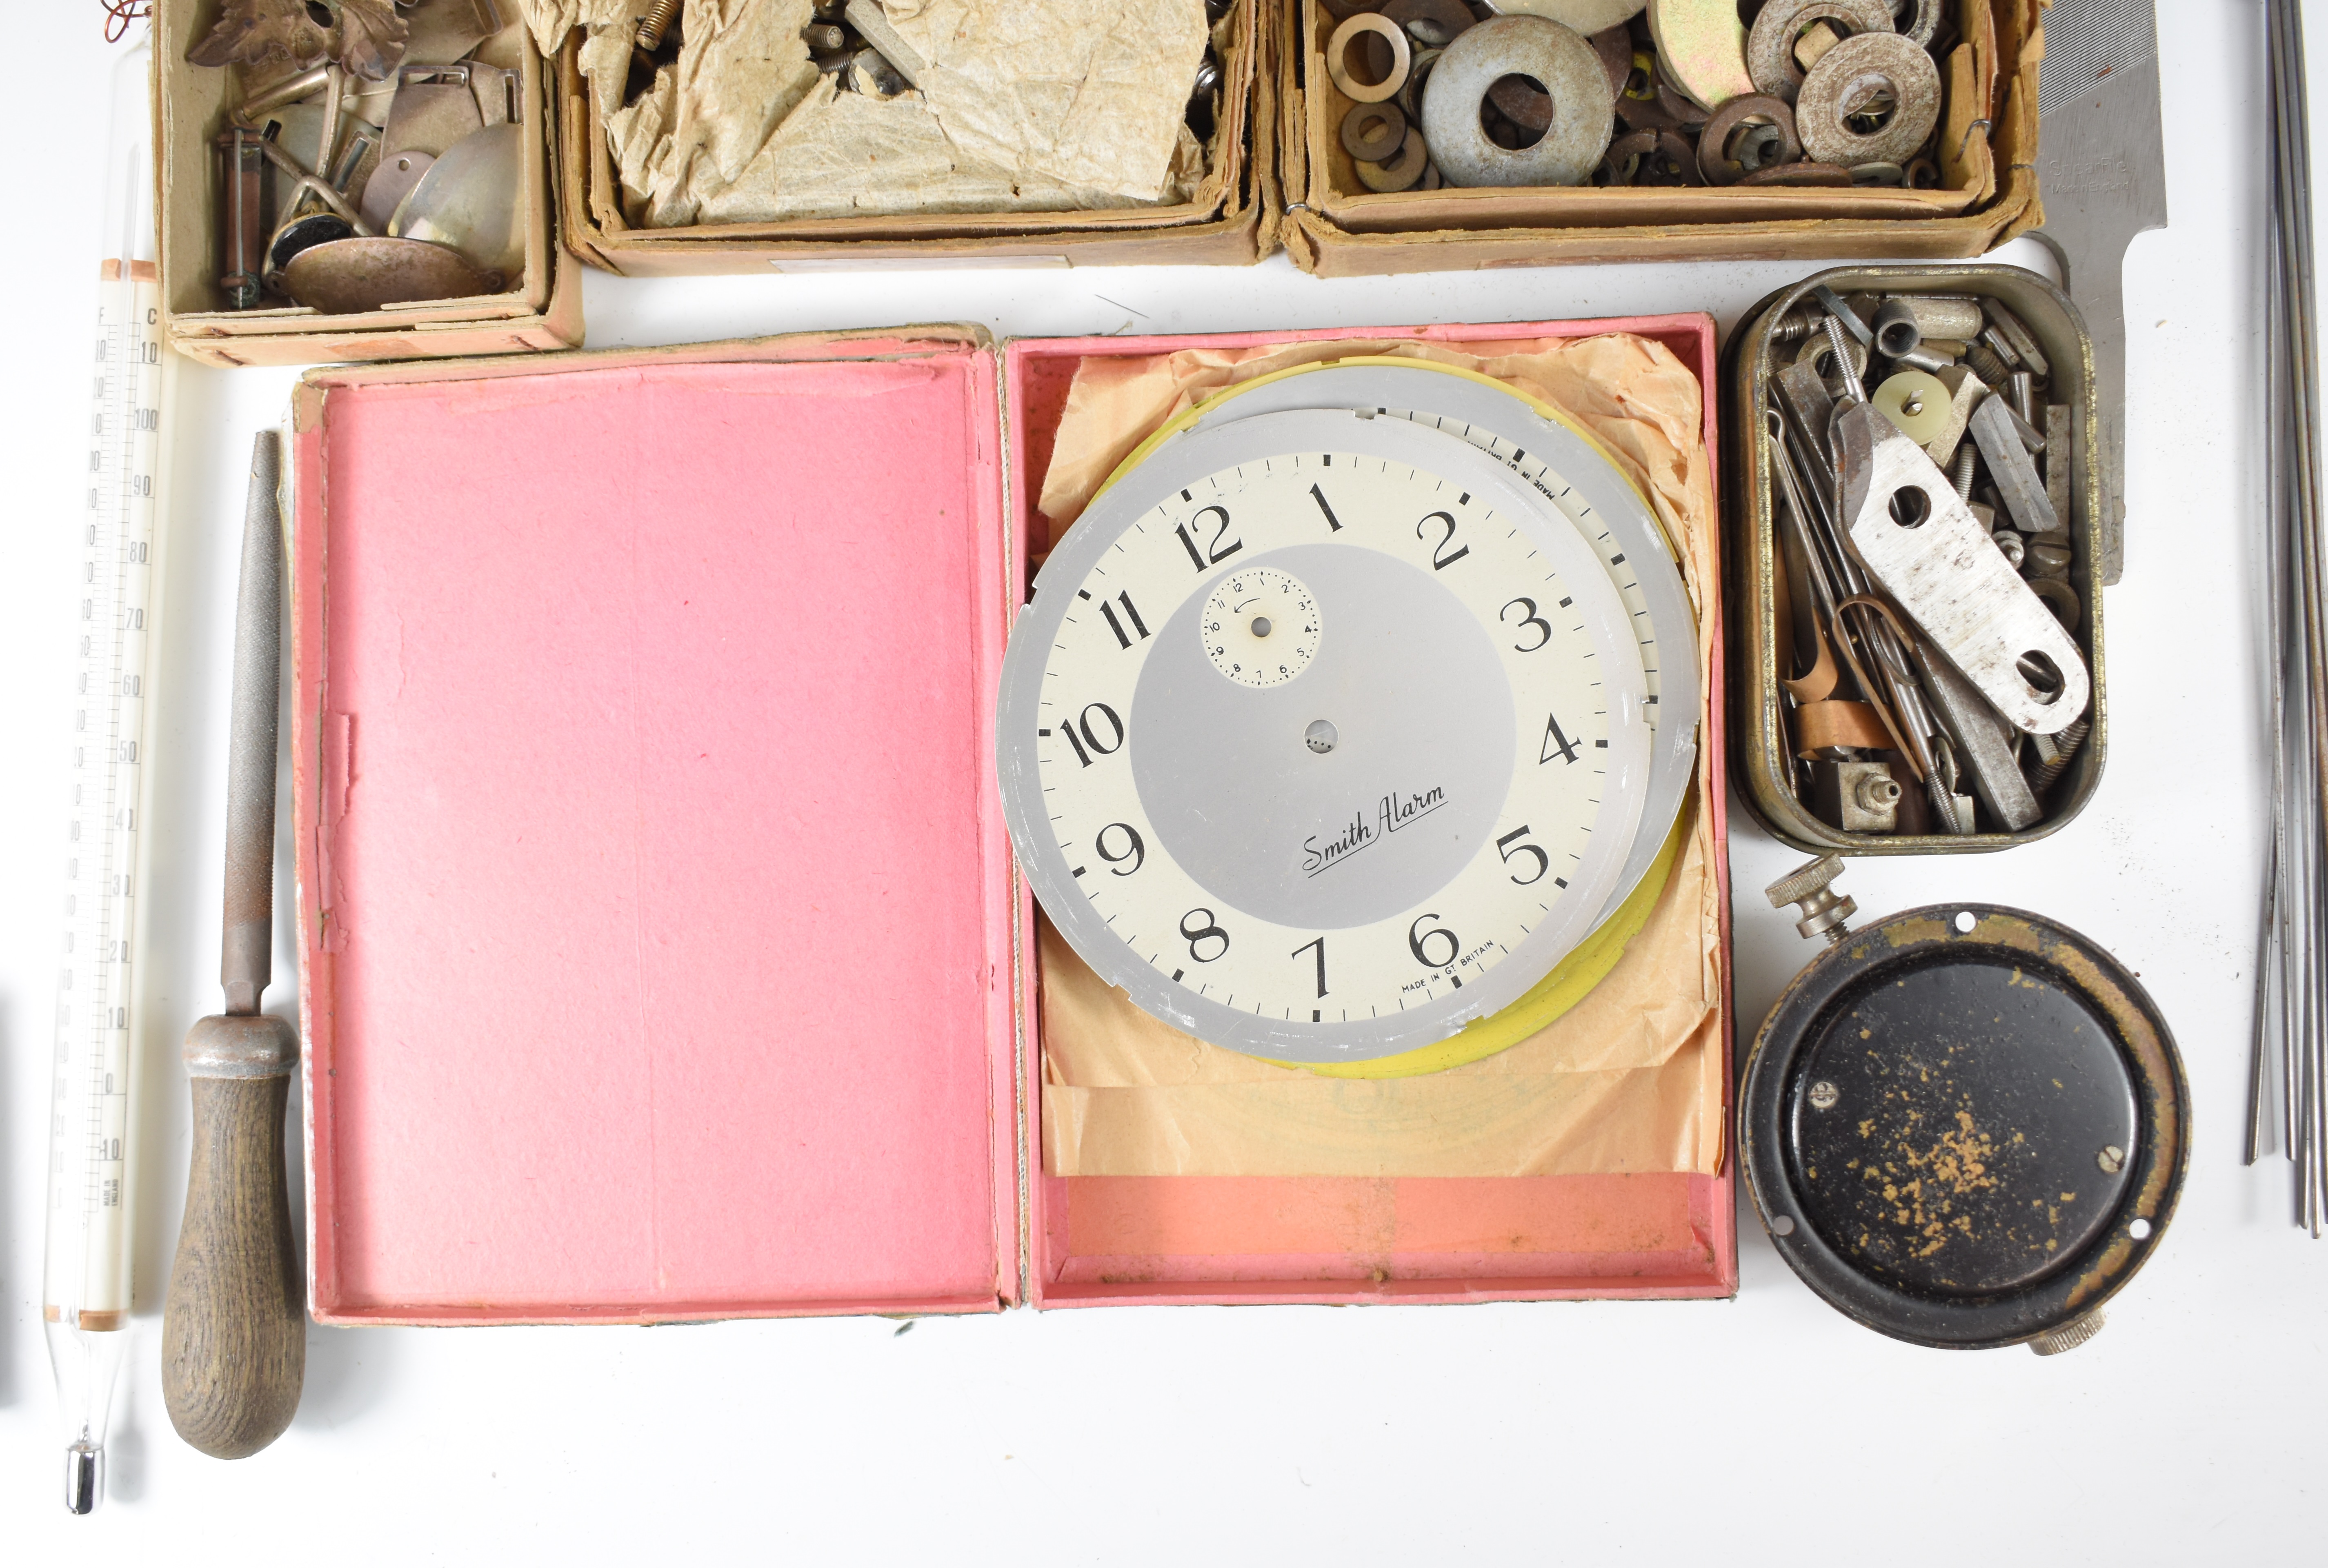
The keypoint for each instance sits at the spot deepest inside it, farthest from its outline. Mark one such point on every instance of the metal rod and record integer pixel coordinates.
(248, 952)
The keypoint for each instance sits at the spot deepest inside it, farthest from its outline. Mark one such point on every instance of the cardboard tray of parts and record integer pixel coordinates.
(662, 952)
(1228, 220)
(540, 309)
(1983, 154)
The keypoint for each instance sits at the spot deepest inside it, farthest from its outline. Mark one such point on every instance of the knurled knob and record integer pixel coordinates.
(2070, 1335)
(1808, 889)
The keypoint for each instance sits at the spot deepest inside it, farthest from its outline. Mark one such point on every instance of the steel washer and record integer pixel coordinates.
(2044, 982)
(1584, 106)
(1858, 61)
(1770, 42)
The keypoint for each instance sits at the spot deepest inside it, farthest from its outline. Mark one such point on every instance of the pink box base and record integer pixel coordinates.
(1115, 1241)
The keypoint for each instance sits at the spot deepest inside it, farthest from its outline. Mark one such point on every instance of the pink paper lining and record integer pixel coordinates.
(654, 889)
(1123, 1241)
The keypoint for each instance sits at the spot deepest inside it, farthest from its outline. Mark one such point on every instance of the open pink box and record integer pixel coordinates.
(662, 955)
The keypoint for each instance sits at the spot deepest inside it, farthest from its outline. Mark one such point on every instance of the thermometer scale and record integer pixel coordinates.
(85, 1292)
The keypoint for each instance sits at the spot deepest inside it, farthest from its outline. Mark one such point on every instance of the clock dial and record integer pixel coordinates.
(1322, 736)
(1260, 626)
(1577, 479)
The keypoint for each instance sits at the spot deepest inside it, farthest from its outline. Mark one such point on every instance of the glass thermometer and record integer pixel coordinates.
(85, 1297)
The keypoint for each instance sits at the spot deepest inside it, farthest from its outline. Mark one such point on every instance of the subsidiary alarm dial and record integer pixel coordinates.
(1260, 627)
(1323, 736)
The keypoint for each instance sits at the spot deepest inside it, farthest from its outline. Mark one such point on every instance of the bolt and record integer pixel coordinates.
(1824, 1095)
(2112, 1159)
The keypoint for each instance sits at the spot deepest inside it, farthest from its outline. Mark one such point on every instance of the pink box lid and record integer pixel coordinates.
(653, 892)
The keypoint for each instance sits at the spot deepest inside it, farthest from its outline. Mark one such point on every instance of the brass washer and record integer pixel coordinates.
(1414, 157)
(1338, 53)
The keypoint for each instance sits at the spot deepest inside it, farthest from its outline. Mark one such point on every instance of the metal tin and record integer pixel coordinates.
(1762, 763)
(1965, 1127)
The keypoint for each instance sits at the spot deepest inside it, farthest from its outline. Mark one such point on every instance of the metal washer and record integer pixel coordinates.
(1584, 108)
(1770, 42)
(1337, 57)
(1861, 61)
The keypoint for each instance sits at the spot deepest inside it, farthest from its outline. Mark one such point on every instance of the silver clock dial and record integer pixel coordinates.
(1394, 818)
(1597, 501)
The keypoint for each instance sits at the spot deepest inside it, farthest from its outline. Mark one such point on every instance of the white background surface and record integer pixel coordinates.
(1766, 1429)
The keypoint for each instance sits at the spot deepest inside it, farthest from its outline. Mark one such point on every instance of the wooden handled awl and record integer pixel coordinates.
(234, 1326)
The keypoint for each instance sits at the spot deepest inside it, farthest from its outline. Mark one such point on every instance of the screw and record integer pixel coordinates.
(2066, 743)
(1960, 471)
(1993, 370)
(1824, 1095)
(654, 23)
(2112, 1159)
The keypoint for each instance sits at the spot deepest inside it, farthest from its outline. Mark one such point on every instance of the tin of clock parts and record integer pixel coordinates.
(1323, 735)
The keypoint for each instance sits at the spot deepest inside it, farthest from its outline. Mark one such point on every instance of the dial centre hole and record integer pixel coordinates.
(1261, 626)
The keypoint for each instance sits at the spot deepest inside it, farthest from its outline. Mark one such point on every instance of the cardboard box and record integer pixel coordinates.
(1335, 228)
(542, 310)
(662, 956)
(1234, 231)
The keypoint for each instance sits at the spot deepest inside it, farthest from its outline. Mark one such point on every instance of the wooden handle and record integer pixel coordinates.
(234, 1326)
